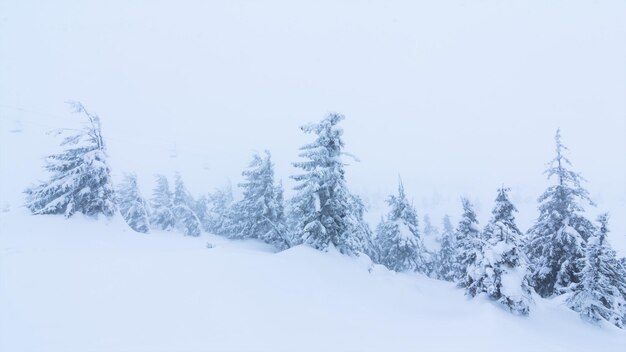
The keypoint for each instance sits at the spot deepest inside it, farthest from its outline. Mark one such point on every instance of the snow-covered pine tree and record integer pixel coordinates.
(218, 211)
(132, 205)
(429, 228)
(501, 270)
(362, 237)
(81, 177)
(161, 206)
(322, 209)
(468, 241)
(601, 293)
(399, 243)
(447, 255)
(557, 239)
(201, 208)
(280, 221)
(186, 220)
(432, 241)
(259, 214)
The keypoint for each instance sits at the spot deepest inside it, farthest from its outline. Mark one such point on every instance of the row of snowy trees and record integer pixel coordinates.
(562, 253)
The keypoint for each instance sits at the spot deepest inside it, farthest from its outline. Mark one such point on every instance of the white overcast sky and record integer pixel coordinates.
(459, 97)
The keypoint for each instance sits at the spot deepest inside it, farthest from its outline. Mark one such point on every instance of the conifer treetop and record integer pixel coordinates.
(566, 178)
(94, 129)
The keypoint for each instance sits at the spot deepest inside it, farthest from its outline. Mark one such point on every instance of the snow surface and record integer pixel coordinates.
(252, 73)
(85, 285)
(512, 280)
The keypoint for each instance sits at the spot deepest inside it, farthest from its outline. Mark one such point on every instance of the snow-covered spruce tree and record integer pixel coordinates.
(218, 212)
(201, 208)
(260, 213)
(186, 220)
(362, 236)
(468, 241)
(557, 239)
(81, 177)
(398, 237)
(445, 266)
(132, 205)
(161, 206)
(322, 209)
(601, 293)
(429, 228)
(500, 270)
(432, 241)
(280, 219)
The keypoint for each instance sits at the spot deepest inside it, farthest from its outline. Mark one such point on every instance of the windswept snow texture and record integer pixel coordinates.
(82, 285)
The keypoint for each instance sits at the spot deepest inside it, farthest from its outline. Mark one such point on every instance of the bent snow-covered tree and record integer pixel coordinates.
(468, 241)
(260, 214)
(399, 243)
(81, 177)
(132, 205)
(323, 213)
(500, 270)
(182, 204)
(601, 294)
(557, 239)
(161, 206)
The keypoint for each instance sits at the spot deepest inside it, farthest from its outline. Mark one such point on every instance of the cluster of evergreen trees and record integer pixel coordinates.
(562, 253)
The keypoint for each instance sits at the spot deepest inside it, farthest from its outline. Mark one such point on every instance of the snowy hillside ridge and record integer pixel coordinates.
(324, 214)
(312, 175)
(87, 285)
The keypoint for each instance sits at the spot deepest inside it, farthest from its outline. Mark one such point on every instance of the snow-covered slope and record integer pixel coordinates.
(425, 86)
(86, 285)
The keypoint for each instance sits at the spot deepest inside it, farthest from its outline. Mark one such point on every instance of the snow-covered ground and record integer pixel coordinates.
(86, 285)
(95, 285)
(457, 97)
